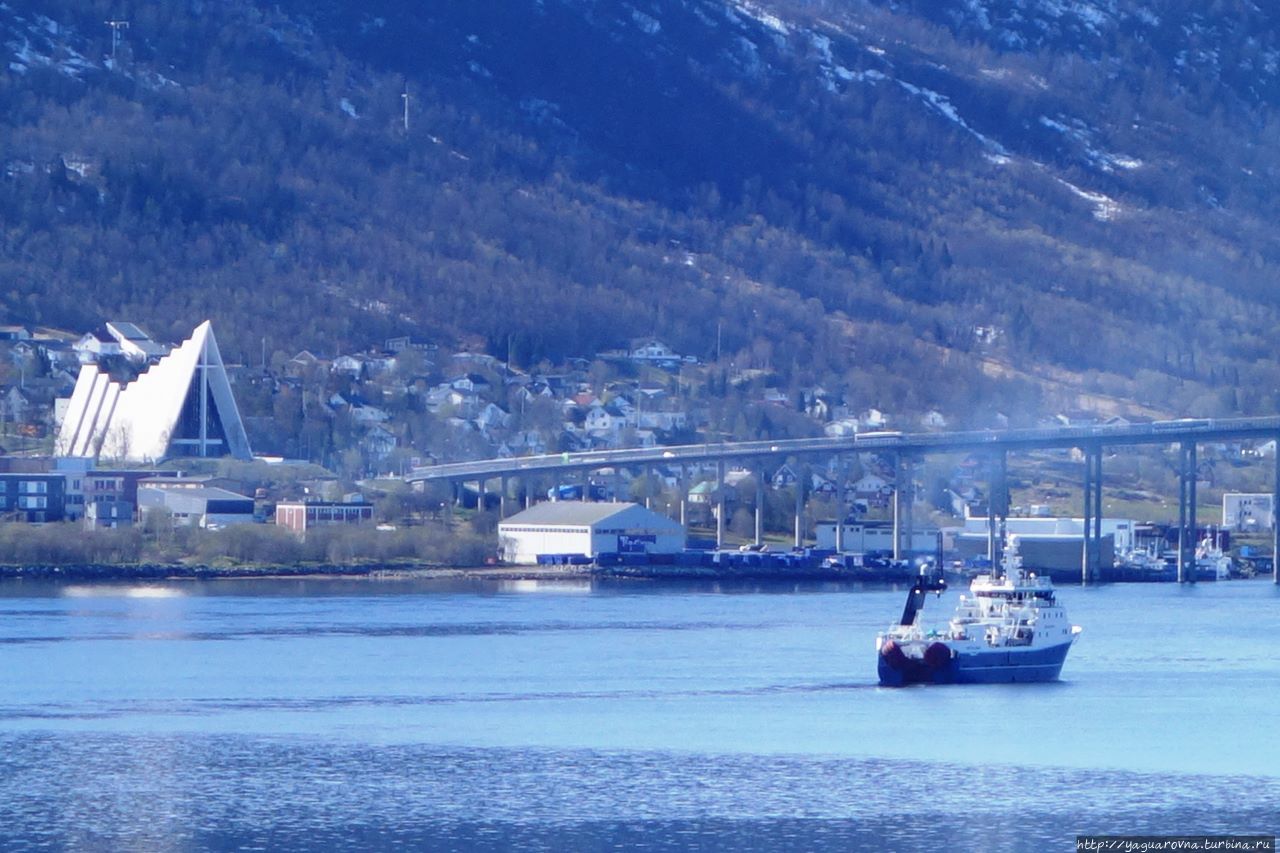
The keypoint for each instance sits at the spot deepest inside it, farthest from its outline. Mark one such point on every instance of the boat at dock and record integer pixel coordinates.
(1009, 628)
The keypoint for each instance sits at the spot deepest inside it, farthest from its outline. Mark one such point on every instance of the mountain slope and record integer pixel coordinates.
(1070, 188)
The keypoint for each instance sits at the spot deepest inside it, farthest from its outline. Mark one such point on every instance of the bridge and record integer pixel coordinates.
(908, 448)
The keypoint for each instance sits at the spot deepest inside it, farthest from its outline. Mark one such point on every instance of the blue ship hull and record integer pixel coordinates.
(994, 667)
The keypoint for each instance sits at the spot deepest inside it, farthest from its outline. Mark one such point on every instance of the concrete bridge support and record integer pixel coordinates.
(719, 503)
(684, 496)
(903, 502)
(1275, 521)
(801, 474)
(1187, 513)
(759, 506)
(502, 497)
(1091, 551)
(997, 506)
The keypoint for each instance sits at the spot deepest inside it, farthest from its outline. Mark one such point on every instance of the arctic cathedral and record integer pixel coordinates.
(181, 406)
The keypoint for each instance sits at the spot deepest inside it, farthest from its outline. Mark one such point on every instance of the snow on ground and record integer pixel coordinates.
(770, 20)
(1105, 208)
(1083, 134)
(648, 24)
(943, 106)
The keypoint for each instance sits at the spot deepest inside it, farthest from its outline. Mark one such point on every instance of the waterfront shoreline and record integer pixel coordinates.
(160, 572)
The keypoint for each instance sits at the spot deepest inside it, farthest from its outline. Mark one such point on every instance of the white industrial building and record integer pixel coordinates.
(864, 537)
(587, 529)
(181, 406)
(1244, 512)
(1121, 530)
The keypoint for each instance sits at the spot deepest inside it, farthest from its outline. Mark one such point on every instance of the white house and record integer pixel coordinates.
(586, 529)
(652, 349)
(873, 419)
(933, 419)
(843, 428)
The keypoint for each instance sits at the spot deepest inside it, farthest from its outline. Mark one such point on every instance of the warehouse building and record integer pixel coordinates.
(587, 530)
(198, 506)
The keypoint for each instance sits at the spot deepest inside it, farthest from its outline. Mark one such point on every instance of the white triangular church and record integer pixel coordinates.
(181, 406)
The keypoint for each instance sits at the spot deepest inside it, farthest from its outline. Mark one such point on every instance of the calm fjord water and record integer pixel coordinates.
(335, 714)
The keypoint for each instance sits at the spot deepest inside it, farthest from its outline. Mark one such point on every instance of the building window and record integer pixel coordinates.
(32, 502)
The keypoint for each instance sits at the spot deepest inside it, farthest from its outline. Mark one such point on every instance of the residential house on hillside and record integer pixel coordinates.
(873, 419)
(377, 443)
(491, 417)
(784, 478)
(470, 382)
(349, 364)
(652, 350)
(873, 489)
(135, 344)
(96, 345)
(843, 428)
(933, 419)
(303, 364)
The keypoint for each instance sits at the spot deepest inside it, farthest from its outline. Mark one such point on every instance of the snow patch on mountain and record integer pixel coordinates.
(1081, 133)
(647, 24)
(770, 20)
(942, 105)
(1105, 208)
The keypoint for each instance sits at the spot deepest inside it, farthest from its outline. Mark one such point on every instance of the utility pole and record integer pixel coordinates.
(116, 26)
(404, 96)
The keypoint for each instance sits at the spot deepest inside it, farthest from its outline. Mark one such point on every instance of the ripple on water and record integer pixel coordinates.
(206, 792)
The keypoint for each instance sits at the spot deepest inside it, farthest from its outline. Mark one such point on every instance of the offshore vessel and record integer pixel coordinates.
(1009, 628)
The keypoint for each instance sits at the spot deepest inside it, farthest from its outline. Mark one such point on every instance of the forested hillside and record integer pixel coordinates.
(967, 205)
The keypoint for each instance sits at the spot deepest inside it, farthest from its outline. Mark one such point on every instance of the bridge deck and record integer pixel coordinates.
(1160, 432)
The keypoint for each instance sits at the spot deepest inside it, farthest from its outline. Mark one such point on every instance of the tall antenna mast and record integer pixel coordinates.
(116, 26)
(404, 96)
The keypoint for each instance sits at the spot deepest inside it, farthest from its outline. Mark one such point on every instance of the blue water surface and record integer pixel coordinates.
(331, 714)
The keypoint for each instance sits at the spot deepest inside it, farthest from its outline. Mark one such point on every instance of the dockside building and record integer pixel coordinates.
(586, 529)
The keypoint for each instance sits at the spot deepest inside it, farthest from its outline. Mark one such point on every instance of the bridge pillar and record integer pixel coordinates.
(801, 473)
(1187, 513)
(527, 484)
(1101, 513)
(1087, 513)
(839, 506)
(502, 497)
(720, 503)
(760, 504)
(1091, 535)
(648, 487)
(684, 496)
(897, 506)
(1275, 522)
(617, 483)
(586, 484)
(903, 500)
(1002, 501)
(480, 495)
(997, 505)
